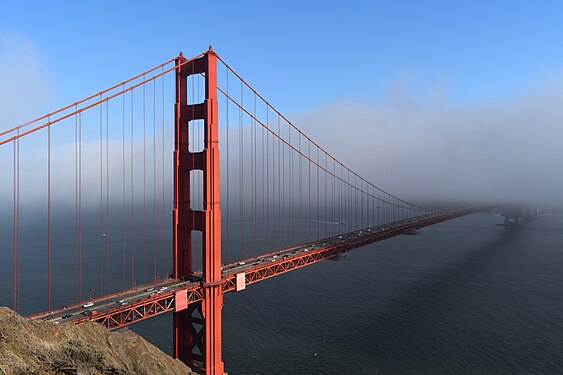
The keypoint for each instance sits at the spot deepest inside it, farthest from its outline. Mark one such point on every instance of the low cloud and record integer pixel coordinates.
(416, 146)
(421, 149)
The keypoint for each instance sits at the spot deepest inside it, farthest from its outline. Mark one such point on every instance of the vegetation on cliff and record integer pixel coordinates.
(35, 347)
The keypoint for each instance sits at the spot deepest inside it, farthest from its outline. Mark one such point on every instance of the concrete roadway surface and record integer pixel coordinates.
(234, 268)
(76, 311)
(70, 313)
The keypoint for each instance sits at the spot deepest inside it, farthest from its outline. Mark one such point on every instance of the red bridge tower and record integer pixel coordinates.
(197, 326)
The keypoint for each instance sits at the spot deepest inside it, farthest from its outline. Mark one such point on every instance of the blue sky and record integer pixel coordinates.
(302, 54)
(469, 87)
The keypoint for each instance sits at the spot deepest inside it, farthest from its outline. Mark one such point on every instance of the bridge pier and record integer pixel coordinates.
(197, 328)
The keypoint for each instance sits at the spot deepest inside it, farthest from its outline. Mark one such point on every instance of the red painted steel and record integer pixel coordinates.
(292, 262)
(197, 305)
(197, 329)
(120, 316)
(51, 121)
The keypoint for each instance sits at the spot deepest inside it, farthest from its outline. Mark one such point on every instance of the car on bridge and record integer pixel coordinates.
(89, 304)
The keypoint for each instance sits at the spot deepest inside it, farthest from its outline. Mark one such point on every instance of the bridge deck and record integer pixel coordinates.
(122, 309)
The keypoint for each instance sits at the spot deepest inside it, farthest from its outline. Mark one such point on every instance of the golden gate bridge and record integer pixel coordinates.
(107, 180)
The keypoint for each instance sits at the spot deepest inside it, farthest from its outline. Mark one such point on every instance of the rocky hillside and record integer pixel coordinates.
(34, 347)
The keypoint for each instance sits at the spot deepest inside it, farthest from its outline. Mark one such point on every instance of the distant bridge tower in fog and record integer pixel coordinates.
(515, 216)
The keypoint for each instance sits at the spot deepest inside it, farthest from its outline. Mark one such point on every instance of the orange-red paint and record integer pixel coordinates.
(198, 328)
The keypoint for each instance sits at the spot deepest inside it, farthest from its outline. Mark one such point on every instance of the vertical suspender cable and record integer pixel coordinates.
(369, 203)
(274, 199)
(154, 175)
(373, 202)
(123, 262)
(227, 168)
(80, 205)
(365, 204)
(107, 198)
(353, 202)
(318, 196)
(263, 157)
(345, 209)
(16, 252)
(351, 207)
(361, 210)
(15, 256)
(356, 210)
(300, 220)
(283, 207)
(76, 257)
(309, 183)
(378, 207)
(334, 196)
(241, 173)
(49, 217)
(342, 218)
(19, 228)
(396, 215)
(279, 188)
(267, 171)
(326, 193)
(385, 210)
(162, 219)
(144, 182)
(16, 221)
(101, 238)
(291, 198)
(254, 177)
(132, 195)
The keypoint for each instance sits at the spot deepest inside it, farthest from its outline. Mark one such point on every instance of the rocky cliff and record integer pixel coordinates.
(35, 347)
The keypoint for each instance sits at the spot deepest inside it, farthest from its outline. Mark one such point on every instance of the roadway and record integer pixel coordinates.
(252, 263)
(77, 311)
(296, 257)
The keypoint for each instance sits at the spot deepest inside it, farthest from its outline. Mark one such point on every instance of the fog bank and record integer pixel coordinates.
(504, 151)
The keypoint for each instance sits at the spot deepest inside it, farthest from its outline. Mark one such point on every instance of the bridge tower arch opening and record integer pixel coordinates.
(197, 327)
